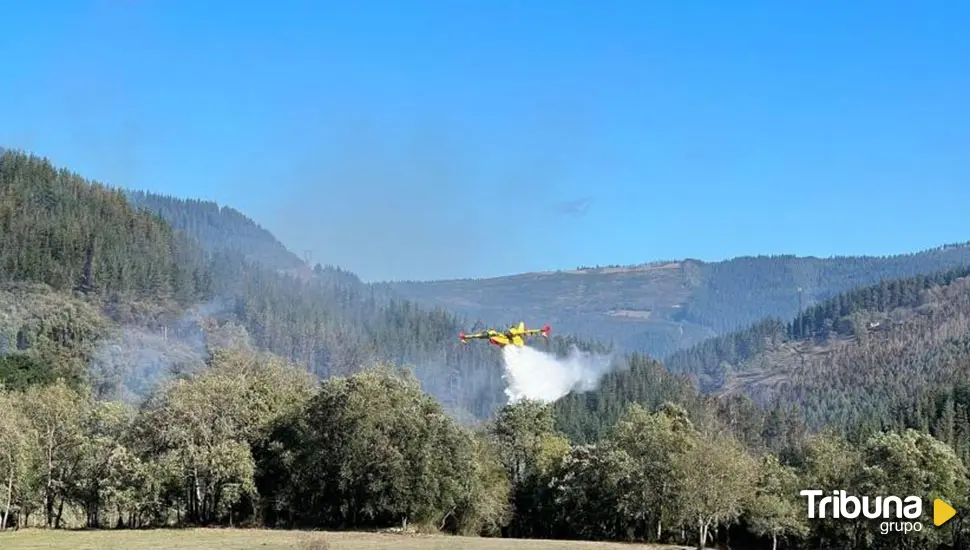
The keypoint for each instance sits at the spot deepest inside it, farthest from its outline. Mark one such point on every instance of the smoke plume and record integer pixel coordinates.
(538, 375)
(128, 365)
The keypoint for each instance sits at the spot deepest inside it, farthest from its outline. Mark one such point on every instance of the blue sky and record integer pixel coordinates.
(420, 139)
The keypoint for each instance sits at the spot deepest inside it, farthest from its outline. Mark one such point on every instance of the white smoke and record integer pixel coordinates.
(541, 376)
(130, 363)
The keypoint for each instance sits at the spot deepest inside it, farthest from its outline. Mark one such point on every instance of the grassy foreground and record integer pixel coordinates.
(245, 539)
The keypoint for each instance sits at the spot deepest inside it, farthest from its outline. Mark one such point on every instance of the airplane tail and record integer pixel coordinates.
(461, 336)
(546, 329)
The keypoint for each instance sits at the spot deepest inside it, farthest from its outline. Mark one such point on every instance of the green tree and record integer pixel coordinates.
(525, 437)
(590, 494)
(828, 462)
(775, 510)
(719, 477)
(56, 414)
(18, 454)
(104, 427)
(655, 441)
(914, 463)
(381, 452)
(484, 505)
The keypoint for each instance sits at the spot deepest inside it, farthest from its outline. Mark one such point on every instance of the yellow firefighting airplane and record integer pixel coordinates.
(515, 335)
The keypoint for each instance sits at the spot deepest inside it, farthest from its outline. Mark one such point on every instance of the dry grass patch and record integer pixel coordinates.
(261, 539)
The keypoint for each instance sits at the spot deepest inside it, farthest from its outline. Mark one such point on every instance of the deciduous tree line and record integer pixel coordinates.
(252, 440)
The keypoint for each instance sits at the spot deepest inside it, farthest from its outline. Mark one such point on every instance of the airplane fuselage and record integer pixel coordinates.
(503, 339)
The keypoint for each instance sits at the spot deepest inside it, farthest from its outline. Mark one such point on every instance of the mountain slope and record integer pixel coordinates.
(59, 229)
(853, 358)
(140, 283)
(861, 358)
(661, 307)
(208, 223)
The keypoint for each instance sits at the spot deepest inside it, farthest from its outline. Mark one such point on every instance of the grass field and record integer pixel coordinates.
(245, 539)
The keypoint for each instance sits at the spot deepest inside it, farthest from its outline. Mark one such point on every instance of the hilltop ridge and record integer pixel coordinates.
(218, 227)
(660, 307)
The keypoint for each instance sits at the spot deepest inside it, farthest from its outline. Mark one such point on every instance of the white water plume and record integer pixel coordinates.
(535, 374)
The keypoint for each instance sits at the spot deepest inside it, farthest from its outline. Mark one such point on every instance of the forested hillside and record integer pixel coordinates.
(662, 307)
(859, 357)
(59, 229)
(218, 228)
(887, 355)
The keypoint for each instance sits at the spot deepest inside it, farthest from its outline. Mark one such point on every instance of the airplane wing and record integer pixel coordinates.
(544, 331)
